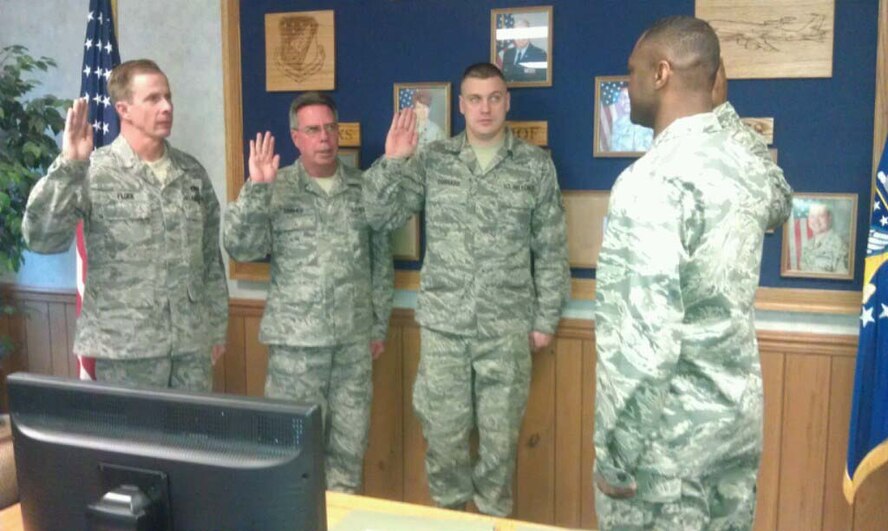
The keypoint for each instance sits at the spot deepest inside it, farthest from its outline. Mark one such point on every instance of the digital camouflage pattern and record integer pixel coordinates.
(330, 293)
(748, 138)
(496, 242)
(192, 372)
(679, 391)
(826, 253)
(156, 285)
(451, 369)
(332, 276)
(495, 269)
(340, 379)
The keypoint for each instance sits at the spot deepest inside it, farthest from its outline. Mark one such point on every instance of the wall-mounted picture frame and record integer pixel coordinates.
(521, 45)
(300, 51)
(431, 103)
(614, 134)
(819, 236)
(350, 157)
(585, 212)
(405, 241)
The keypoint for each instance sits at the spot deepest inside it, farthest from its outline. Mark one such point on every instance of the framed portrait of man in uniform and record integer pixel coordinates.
(818, 237)
(521, 45)
(614, 134)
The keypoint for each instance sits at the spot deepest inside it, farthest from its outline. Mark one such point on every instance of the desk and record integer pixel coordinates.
(339, 505)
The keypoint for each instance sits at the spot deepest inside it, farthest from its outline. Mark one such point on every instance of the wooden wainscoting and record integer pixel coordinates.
(808, 382)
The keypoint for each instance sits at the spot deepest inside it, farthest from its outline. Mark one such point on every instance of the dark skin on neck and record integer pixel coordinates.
(677, 86)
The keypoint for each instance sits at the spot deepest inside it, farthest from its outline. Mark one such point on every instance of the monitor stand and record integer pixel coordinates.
(135, 500)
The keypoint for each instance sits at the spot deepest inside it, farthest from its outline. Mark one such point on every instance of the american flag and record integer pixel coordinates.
(610, 93)
(503, 21)
(799, 233)
(100, 55)
(405, 98)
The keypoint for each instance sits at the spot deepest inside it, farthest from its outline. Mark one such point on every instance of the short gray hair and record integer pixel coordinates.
(311, 98)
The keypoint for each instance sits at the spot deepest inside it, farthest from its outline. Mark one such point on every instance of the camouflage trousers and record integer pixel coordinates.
(723, 501)
(340, 379)
(192, 372)
(464, 382)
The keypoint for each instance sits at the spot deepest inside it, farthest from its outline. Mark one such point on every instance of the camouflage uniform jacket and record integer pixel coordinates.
(156, 283)
(746, 136)
(825, 252)
(332, 277)
(679, 379)
(496, 244)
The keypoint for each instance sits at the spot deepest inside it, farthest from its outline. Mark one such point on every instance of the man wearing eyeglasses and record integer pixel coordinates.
(331, 286)
(494, 278)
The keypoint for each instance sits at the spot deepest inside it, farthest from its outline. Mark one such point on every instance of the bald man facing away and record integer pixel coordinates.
(679, 393)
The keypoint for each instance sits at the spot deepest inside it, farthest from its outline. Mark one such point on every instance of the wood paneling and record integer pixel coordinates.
(807, 384)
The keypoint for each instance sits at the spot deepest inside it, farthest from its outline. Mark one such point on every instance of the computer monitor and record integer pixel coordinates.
(101, 457)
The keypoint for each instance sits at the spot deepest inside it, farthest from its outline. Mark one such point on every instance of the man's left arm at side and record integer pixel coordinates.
(215, 283)
(549, 251)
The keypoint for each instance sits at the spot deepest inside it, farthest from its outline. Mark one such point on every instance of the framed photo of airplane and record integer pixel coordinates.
(772, 38)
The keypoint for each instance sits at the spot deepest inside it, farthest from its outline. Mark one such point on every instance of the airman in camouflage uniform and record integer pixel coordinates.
(825, 251)
(679, 393)
(331, 288)
(156, 299)
(494, 278)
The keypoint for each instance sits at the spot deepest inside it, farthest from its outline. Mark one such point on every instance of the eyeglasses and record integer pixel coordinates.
(315, 130)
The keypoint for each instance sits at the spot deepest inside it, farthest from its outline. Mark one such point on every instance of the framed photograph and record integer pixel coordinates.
(614, 134)
(818, 237)
(431, 103)
(300, 52)
(350, 157)
(405, 241)
(585, 213)
(521, 45)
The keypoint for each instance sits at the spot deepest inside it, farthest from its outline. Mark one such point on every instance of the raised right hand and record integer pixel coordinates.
(263, 162)
(403, 136)
(77, 141)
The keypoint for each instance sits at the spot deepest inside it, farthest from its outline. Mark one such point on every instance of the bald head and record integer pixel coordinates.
(689, 44)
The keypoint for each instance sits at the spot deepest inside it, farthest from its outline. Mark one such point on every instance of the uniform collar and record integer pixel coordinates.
(705, 122)
(344, 178)
(130, 160)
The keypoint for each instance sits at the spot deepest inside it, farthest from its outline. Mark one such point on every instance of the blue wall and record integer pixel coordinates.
(822, 127)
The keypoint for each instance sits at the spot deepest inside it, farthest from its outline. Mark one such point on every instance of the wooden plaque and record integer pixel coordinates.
(536, 133)
(300, 52)
(772, 38)
(349, 134)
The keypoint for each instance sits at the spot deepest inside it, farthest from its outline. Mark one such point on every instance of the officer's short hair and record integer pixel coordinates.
(482, 71)
(311, 98)
(690, 40)
(121, 78)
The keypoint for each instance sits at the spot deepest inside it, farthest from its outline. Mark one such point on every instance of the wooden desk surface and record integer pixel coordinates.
(339, 505)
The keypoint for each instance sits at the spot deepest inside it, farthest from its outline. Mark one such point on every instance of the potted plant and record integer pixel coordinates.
(28, 129)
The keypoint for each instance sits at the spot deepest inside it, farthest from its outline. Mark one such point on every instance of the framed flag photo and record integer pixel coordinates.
(614, 134)
(818, 237)
(521, 45)
(431, 103)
